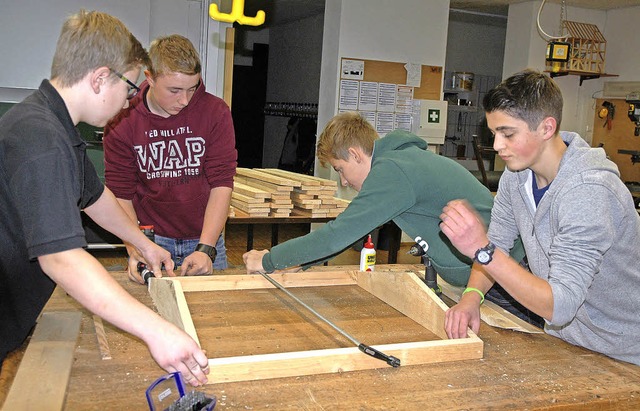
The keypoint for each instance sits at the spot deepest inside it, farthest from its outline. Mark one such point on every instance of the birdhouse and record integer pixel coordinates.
(588, 47)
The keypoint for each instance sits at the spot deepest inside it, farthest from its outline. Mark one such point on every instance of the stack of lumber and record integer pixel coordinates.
(271, 192)
(261, 194)
(314, 196)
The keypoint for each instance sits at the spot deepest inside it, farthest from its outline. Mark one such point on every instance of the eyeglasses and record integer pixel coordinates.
(133, 89)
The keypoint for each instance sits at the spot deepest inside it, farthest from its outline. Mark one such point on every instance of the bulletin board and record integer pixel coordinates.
(390, 95)
(393, 72)
(619, 137)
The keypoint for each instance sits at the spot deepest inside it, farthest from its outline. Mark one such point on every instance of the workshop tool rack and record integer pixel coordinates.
(403, 291)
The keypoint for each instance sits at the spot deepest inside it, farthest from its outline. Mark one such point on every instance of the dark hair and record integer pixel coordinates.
(529, 95)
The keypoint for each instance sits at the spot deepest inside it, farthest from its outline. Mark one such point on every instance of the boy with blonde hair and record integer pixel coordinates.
(46, 178)
(398, 180)
(170, 159)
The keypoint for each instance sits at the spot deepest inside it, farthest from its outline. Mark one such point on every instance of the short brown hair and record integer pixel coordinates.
(173, 54)
(344, 131)
(529, 96)
(92, 39)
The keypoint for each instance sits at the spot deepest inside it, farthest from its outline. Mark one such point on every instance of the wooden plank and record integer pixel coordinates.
(168, 296)
(264, 185)
(41, 381)
(491, 313)
(402, 291)
(101, 336)
(412, 296)
(250, 191)
(250, 208)
(254, 281)
(336, 360)
(270, 178)
(227, 89)
(290, 175)
(246, 199)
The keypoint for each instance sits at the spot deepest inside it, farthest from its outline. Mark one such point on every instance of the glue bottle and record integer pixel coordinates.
(368, 256)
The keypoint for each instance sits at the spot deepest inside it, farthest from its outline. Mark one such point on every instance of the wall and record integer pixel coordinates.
(525, 49)
(477, 48)
(377, 30)
(475, 43)
(295, 53)
(35, 25)
(246, 37)
(30, 30)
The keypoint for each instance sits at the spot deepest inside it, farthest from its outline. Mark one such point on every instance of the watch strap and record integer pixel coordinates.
(486, 252)
(208, 250)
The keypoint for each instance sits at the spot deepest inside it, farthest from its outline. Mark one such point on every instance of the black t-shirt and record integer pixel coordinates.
(46, 178)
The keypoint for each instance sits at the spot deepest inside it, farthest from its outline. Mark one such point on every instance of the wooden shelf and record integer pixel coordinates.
(584, 75)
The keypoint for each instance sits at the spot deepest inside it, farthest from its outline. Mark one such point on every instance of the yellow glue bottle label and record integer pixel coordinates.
(368, 256)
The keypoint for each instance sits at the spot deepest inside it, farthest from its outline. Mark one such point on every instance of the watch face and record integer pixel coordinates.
(484, 257)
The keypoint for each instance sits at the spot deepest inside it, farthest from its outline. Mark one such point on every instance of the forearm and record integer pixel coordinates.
(479, 279)
(108, 213)
(529, 290)
(86, 280)
(215, 215)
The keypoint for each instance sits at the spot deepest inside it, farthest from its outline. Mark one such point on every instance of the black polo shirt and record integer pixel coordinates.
(46, 178)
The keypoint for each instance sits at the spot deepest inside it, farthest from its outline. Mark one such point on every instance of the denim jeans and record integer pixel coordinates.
(501, 297)
(180, 249)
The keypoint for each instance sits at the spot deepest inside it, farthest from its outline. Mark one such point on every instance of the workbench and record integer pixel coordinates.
(240, 217)
(518, 371)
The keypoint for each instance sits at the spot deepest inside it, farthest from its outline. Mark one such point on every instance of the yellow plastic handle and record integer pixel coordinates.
(237, 14)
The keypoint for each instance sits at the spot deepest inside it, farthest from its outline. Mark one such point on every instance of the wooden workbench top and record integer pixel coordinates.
(518, 371)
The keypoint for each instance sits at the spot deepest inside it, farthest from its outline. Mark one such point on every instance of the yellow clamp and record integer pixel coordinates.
(237, 14)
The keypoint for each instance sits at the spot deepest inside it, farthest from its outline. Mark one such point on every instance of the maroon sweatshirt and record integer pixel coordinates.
(168, 166)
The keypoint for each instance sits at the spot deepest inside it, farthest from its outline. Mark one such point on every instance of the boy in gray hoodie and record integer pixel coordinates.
(575, 216)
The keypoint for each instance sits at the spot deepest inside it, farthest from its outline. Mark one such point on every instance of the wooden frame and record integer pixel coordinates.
(403, 291)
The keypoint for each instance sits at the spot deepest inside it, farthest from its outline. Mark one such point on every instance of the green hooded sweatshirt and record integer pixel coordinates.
(409, 185)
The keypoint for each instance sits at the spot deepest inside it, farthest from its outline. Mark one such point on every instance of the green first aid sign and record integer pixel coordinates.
(433, 115)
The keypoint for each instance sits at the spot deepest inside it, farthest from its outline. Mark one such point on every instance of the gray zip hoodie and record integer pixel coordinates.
(584, 239)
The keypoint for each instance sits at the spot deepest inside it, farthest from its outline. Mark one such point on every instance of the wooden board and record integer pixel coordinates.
(620, 137)
(41, 381)
(408, 295)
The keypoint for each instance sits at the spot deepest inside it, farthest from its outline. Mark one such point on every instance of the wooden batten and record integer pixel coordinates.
(168, 296)
(42, 379)
(404, 291)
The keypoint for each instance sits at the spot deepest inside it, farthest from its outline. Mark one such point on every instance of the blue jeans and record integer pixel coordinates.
(501, 297)
(180, 249)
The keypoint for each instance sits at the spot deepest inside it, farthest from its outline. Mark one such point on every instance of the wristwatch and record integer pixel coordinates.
(208, 250)
(484, 255)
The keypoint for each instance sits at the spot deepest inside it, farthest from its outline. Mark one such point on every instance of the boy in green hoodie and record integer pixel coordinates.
(398, 180)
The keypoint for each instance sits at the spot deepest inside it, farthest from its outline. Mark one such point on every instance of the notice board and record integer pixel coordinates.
(393, 72)
(385, 92)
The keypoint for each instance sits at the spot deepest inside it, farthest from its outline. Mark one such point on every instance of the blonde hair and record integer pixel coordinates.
(92, 39)
(173, 54)
(343, 131)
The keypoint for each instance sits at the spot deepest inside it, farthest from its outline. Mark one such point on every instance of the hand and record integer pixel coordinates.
(174, 351)
(197, 263)
(464, 315)
(155, 256)
(132, 265)
(253, 261)
(464, 227)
